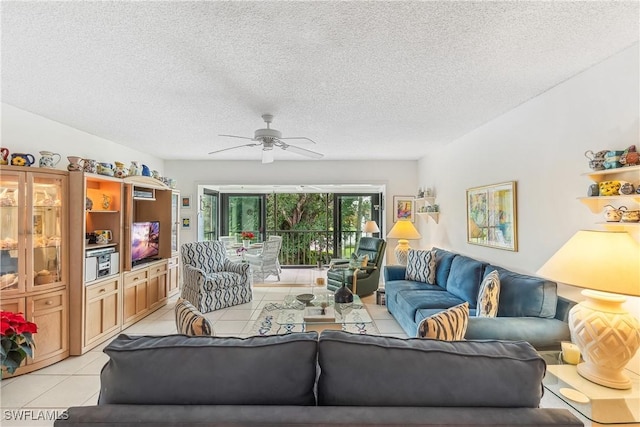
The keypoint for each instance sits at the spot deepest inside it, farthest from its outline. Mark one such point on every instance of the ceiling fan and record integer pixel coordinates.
(269, 138)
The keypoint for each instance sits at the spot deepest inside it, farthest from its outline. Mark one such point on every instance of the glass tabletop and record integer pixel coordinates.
(598, 403)
(295, 313)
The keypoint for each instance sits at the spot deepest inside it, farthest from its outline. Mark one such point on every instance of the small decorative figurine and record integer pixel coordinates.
(106, 201)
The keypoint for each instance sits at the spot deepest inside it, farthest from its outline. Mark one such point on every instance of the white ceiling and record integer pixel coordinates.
(366, 80)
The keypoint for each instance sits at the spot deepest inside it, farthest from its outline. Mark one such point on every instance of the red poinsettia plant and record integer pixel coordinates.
(247, 235)
(17, 339)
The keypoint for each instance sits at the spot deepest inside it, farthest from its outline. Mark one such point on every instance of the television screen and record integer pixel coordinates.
(145, 241)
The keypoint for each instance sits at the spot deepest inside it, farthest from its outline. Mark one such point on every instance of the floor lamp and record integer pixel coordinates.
(607, 265)
(404, 231)
(370, 227)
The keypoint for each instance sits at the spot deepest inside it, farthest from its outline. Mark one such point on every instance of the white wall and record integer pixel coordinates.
(399, 178)
(25, 132)
(539, 144)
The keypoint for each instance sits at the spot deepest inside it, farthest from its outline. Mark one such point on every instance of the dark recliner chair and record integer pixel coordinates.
(367, 279)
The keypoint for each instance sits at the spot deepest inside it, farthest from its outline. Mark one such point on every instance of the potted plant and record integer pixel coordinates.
(17, 339)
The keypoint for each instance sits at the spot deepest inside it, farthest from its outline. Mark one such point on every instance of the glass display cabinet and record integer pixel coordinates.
(33, 221)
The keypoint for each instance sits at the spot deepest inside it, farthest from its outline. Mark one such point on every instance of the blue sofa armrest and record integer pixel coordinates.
(394, 272)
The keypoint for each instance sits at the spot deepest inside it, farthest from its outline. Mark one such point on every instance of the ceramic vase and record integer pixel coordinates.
(343, 295)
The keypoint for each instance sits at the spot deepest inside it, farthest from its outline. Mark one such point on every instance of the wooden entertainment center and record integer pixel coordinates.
(119, 294)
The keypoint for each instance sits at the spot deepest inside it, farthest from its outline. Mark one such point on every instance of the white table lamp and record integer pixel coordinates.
(607, 265)
(370, 227)
(404, 231)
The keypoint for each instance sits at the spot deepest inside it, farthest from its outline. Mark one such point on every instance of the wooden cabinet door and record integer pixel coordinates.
(157, 284)
(135, 301)
(49, 313)
(102, 310)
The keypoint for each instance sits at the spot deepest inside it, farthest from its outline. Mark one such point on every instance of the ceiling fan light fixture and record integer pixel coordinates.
(267, 155)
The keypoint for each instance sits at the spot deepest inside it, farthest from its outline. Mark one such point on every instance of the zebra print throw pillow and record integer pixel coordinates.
(421, 266)
(449, 325)
(488, 295)
(190, 321)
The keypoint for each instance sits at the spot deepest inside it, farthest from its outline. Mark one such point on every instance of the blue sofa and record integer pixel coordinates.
(529, 307)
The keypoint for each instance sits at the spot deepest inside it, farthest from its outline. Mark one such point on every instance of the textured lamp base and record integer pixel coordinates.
(608, 337)
(401, 251)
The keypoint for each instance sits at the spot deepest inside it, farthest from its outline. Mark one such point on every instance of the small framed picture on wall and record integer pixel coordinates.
(403, 208)
(186, 202)
(186, 222)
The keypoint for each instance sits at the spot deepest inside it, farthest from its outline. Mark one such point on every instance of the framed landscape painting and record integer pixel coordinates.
(403, 208)
(491, 216)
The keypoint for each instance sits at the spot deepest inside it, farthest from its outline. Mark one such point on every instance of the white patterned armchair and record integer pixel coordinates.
(211, 281)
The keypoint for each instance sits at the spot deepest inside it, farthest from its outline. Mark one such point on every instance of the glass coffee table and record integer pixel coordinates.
(352, 317)
(599, 404)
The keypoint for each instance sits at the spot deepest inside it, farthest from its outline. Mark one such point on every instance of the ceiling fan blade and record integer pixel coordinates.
(300, 137)
(302, 151)
(233, 148)
(241, 137)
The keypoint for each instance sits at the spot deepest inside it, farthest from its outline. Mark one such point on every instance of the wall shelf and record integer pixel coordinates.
(434, 215)
(597, 203)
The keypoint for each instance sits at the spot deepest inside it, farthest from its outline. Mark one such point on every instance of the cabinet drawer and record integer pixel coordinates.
(134, 277)
(158, 269)
(101, 289)
(47, 302)
(173, 262)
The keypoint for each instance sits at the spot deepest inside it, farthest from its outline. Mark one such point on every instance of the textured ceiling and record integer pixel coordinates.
(366, 80)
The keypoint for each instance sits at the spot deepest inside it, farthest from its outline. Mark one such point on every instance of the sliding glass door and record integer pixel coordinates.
(354, 210)
(243, 212)
(209, 210)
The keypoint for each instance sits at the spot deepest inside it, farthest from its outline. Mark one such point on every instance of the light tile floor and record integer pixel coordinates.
(37, 397)
(40, 395)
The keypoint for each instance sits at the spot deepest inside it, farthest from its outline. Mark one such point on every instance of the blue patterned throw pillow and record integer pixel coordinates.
(448, 325)
(421, 266)
(489, 295)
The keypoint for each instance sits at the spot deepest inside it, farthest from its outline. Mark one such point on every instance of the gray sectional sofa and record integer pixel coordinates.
(302, 379)
(529, 307)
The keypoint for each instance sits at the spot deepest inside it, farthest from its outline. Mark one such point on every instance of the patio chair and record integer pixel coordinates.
(266, 262)
(279, 239)
(211, 281)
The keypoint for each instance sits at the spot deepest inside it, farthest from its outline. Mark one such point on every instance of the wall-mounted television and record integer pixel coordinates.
(145, 242)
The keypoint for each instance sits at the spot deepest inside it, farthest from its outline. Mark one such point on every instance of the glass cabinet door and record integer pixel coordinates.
(47, 231)
(12, 228)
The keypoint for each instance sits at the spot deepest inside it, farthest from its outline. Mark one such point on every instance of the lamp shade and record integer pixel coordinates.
(607, 261)
(370, 227)
(405, 230)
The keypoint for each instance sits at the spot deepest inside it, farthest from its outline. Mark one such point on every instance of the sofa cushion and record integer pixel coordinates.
(421, 266)
(489, 295)
(464, 278)
(184, 370)
(418, 372)
(448, 325)
(522, 295)
(417, 299)
(190, 321)
(443, 266)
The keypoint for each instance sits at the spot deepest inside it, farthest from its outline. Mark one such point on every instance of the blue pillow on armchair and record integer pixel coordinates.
(421, 266)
